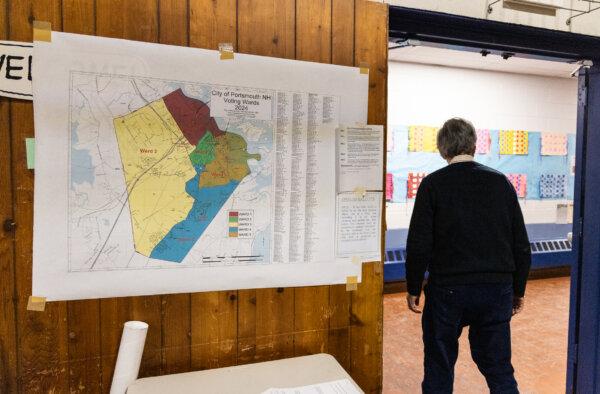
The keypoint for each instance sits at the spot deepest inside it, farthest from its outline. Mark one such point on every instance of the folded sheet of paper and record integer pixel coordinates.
(343, 386)
(360, 158)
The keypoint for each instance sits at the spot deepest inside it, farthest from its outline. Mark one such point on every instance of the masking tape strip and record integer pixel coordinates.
(364, 67)
(360, 191)
(356, 260)
(351, 283)
(42, 31)
(226, 51)
(30, 152)
(37, 304)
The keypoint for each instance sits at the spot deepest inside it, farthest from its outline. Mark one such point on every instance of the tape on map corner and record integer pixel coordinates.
(226, 51)
(42, 31)
(360, 191)
(30, 152)
(364, 67)
(37, 304)
(356, 260)
(351, 283)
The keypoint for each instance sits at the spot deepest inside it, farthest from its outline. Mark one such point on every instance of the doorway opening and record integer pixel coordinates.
(525, 111)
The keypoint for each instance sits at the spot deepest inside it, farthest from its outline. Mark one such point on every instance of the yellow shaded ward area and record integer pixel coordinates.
(156, 165)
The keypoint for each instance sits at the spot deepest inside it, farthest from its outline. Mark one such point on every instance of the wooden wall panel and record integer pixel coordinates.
(214, 314)
(134, 20)
(176, 314)
(266, 316)
(72, 346)
(42, 337)
(83, 317)
(311, 304)
(370, 46)
(267, 27)
(8, 334)
(313, 30)
(214, 329)
(342, 32)
(213, 22)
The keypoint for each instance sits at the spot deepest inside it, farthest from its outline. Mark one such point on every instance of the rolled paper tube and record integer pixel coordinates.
(130, 356)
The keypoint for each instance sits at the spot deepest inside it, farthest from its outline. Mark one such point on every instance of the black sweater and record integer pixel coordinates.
(467, 227)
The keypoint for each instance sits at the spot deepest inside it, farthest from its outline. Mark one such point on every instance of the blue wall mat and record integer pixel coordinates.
(400, 162)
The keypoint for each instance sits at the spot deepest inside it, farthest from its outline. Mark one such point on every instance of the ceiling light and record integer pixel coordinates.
(530, 6)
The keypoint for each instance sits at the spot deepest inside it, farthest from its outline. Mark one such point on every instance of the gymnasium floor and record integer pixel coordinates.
(539, 344)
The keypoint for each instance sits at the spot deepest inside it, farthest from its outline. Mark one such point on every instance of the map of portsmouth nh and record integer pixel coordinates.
(180, 168)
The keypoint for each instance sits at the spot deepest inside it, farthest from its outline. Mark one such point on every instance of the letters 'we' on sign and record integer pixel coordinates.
(15, 69)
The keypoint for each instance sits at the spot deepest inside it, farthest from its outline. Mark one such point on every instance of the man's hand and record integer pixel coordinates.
(413, 302)
(518, 304)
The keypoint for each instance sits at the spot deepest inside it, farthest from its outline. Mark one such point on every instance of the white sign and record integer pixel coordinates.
(358, 225)
(360, 158)
(241, 103)
(15, 69)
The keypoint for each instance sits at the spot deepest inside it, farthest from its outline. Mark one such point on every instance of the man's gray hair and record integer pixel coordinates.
(456, 137)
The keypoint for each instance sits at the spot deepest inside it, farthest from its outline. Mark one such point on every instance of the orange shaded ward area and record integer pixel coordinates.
(230, 161)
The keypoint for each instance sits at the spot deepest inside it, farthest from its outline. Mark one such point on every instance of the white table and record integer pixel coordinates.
(249, 378)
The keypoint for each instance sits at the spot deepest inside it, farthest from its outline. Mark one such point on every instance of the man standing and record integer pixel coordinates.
(467, 230)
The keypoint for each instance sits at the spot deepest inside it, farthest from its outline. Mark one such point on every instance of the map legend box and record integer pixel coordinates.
(241, 223)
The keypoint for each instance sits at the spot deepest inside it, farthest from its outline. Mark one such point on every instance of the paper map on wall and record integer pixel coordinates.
(182, 172)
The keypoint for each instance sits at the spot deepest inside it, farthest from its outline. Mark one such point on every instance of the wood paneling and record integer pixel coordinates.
(267, 27)
(176, 313)
(342, 32)
(72, 346)
(366, 334)
(83, 317)
(313, 30)
(213, 22)
(214, 329)
(8, 334)
(42, 337)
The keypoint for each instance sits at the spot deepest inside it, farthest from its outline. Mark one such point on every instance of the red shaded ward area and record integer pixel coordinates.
(192, 116)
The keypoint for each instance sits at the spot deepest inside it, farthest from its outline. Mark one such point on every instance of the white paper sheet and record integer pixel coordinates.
(360, 158)
(358, 226)
(129, 358)
(343, 386)
(122, 169)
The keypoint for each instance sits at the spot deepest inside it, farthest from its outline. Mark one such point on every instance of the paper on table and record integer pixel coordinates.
(343, 386)
(130, 356)
(360, 157)
(358, 226)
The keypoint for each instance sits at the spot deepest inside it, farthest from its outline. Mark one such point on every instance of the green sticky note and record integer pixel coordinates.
(30, 148)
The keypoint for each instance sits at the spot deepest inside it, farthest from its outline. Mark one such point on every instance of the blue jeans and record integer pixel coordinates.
(487, 310)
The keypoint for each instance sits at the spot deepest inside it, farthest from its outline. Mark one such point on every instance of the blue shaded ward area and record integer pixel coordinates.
(182, 237)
